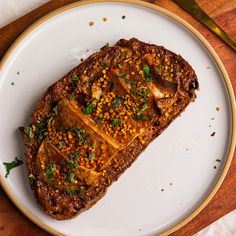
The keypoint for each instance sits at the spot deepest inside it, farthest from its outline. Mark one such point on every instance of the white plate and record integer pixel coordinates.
(181, 161)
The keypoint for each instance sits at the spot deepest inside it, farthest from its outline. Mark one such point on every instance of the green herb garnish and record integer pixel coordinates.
(81, 135)
(88, 109)
(122, 75)
(11, 165)
(116, 122)
(50, 171)
(117, 101)
(147, 74)
(42, 125)
(218, 160)
(143, 92)
(133, 82)
(103, 64)
(91, 156)
(72, 162)
(74, 78)
(60, 144)
(71, 178)
(144, 107)
(112, 85)
(12, 83)
(123, 17)
(29, 132)
(94, 144)
(71, 193)
(139, 115)
(71, 96)
(165, 74)
(119, 66)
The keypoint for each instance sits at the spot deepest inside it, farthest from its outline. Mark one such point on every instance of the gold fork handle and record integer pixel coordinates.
(194, 9)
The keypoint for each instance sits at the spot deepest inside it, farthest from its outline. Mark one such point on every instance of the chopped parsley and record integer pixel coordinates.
(71, 193)
(11, 165)
(29, 132)
(119, 66)
(74, 78)
(80, 134)
(12, 83)
(122, 75)
(88, 109)
(143, 92)
(140, 116)
(71, 96)
(60, 144)
(147, 74)
(103, 63)
(117, 101)
(42, 125)
(133, 82)
(116, 122)
(112, 85)
(94, 144)
(71, 178)
(91, 156)
(72, 162)
(123, 17)
(165, 74)
(218, 160)
(50, 171)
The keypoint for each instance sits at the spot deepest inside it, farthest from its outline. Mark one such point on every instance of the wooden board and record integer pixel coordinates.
(13, 222)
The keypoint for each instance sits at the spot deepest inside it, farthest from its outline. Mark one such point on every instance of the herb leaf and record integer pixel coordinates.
(147, 74)
(88, 109)
(103, 63)
(116, 122)
(117, 101)
(29, 132)
(50, 171)
(72, 162)
(11, 165)
(112, 85)
(91, 156)
(71, 178)
(122, 75)
(71, 193)
(74, 78)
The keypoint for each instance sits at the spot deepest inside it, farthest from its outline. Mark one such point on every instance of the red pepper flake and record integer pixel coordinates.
(217, 108)
(213, 134)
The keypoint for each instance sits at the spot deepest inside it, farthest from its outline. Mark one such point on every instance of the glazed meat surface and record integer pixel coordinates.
(91, 125)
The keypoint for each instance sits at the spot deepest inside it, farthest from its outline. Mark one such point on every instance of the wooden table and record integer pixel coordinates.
(13, 222)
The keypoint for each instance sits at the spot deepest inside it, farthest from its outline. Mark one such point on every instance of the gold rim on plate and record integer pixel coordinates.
(207, 199)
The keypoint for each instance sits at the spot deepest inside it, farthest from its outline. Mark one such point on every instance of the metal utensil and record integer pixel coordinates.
(194, 9)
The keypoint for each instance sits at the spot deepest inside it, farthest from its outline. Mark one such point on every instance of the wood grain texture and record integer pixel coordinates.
(223, 12)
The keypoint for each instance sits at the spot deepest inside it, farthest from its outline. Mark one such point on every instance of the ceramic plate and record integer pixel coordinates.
(177, 174)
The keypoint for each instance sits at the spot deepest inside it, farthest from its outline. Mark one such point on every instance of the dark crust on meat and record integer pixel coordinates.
(61, 206)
